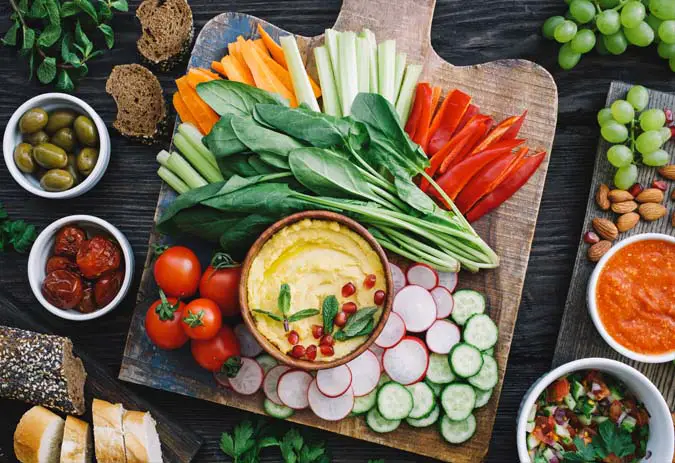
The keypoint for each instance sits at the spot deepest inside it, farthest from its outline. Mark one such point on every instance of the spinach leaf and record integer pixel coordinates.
(270, 199)
(262, 140)
(229, 97)
(203, 222)
(260, 166)
(284, 299)
(241, 233)
(329, 310)
(239, 164)
(302, 314)
(359, 321)
(411, 194)
(221, 140)
(274, 160)
(188, 200)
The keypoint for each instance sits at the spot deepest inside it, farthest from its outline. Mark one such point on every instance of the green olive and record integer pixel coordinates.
(57, 180)
(86, 160)
(59, 119)
(64, 138)
(23, 157)
(50, 156)
(71, 168)
(36, 138)
(33, 120)
(85, 131)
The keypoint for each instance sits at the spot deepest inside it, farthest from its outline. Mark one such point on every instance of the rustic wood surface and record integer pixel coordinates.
(578, 337)
(463, 33)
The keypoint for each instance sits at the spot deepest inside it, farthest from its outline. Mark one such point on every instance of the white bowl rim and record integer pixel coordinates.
(91, 180)
(576, 365)
(46, 234)
(593, 309)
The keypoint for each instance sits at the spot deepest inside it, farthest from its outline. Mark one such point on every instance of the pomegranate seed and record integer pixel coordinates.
(636, 189)
(327, 340)
(348, 289)
(349, 308)
(317, 331)
(293, 337)
(327, 351)
(379, 297)
(370, 280)
(340, 319)
(310, 353)
(672, 131)
(660, 185)
(669, 115)
(298, 351)
(591, 237)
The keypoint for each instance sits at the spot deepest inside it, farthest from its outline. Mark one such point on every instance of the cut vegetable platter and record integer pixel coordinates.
(501, 89)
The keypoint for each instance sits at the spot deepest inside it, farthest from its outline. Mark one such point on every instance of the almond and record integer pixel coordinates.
(627, 221)
(651, 211)
(650, 195)
(605, 228)
(624, 207)
(668, 171)
(598, 250)
(601, 197)
(619, 196)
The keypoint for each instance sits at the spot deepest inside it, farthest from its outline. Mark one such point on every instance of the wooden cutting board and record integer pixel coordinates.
(578, 337)
(501, 88)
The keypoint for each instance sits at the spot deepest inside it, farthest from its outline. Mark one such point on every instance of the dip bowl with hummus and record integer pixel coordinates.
(631, 297)
(316, 290)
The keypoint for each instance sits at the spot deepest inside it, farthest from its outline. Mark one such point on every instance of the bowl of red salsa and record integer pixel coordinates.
(631, 297)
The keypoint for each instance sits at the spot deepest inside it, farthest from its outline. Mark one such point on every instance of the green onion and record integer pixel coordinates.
(329, 92)
(348, 80)
(407, 93)
(370, 35)
(301, 86)
(204, 167)
(181, 168)
(331, 40)
(194, 136)
(363, 64)
(386, 60)
(172, 180)
(398, 79)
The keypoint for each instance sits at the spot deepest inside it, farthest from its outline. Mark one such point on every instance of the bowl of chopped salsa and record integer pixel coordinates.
(631, 297)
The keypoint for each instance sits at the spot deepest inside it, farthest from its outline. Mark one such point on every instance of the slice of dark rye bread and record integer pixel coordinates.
(166, 32)
(141, 109)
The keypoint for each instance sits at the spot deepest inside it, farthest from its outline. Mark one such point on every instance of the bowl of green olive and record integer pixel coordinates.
(56, 146)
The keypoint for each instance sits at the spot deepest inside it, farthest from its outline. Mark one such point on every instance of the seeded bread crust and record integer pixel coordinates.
(166, 33)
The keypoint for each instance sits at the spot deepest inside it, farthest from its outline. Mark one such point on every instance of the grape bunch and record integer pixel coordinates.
(637, 133)
(610, 26)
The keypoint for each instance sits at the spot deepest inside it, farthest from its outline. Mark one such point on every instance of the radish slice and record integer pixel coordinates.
(292, 389)
(222, 379)
(447, 280)
(416, 307)
(393, 331)
(330, 408)
(249, 378)
(365, 373)
(442, 336)
(379, 352)
(422, 275)
(247, 343)
(444, 301)
(334, 382)
(271, 382)
(398, 277)
(407, 361)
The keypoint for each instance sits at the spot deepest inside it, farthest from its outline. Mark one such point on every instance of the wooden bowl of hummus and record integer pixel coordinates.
(316, 290)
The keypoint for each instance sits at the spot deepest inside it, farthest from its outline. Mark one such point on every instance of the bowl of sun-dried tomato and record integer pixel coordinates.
(80, 267)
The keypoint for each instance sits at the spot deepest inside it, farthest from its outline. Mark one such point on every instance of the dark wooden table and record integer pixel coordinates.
(463, 33)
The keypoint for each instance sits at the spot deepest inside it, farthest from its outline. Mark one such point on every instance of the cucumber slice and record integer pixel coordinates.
(384, 379)
(439, 370)
(437, 388)
(482, 397)
(488, 376)
(481, 332)
(277, 411)
(428, 420)
(467, 303)
(465, 360)
(423, 400)
(490, 351)
(266, 362)
(458, 401)
(456, 432)
(394, 401)
(364, 403)
(378, 423)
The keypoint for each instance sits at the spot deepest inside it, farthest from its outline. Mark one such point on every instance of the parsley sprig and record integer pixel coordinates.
(15, 234)
(610, 440)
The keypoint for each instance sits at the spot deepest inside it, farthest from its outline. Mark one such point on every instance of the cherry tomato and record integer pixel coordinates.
(177, 271)
(61, 263)
(107, 287)
(63, 289)
(201, 319)
(97, 256)
(68, 241)
(212, 354)
(163, 323)
(220, 283)
(88, 302)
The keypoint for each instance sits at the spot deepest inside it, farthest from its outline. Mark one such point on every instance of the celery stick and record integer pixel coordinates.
(301, 86)
(185, 171)
(405, 97)
(329, 93)
(204, 167)
(163, 158)
(386, 60)
(172, 180)
(331, 40)
(348, 80)
(363, 64)
(194, 136)
(370, 35)
(400, 69)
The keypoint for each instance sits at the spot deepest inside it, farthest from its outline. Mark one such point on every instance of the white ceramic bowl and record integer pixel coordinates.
(661, 442)
(50, 102)
(593, 308)
(43, 249)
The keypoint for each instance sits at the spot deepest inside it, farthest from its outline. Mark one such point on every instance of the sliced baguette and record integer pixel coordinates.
(77, 443)
(141, 440)
(37, 438)
(108, 432)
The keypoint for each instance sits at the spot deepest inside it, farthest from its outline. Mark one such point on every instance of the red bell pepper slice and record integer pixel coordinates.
(435, 98)
(415, 114)
(496, 134)
(477, 129)
(471, 111)
(448, 118)
(425, 95)
(520, 175)
(513, 131)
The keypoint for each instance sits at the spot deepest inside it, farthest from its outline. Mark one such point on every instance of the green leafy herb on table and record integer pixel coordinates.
(359, 324)
(58, 38)
(284, 306)
(15, 234)
(610, 440)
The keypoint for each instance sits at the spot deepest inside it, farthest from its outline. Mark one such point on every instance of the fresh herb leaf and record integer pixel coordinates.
(284, 299)
(329, 310)
(615, 440)
(302, 314)
(15, 233)
(49, 36)
(28, 38)
(311, 453)
(52, 7)
(88, 8)
(584, 452)
(108, 34)
(69, 9)
(269, 314)
(359, 321)
(120, 5)
(10, 36)
(46, 72)
(343, 336)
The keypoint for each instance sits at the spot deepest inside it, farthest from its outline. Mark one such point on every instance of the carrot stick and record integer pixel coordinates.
(277, 69)
(183, 111)
(203, 114)
(233, 49)
(197, 75)
(236, 71)
(274, 48)
(218, 67)
(435, 97)
(263, 77)
(260, 44)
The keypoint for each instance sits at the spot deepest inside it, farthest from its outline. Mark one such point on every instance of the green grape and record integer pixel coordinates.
(608, 22)
(656, 159)
(622, 111)
(663, 9)
(648, 142)
(604, 116)
(567, 58)
(666, 134)
(641, 36)
(614, 132)
(565, 31)
(549, 26)
(632, 14)
(619, 155)
(583, 42)
(653, 22)
(638, 96)
(626, 177)
(616, 44)
(666, 50)
(652, 119)
(605, 4)
(667, 31)
(582, 10)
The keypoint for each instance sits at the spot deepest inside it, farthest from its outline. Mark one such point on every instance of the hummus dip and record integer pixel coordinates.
(316, 258)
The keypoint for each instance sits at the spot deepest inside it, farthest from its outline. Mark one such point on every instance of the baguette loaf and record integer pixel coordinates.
(77, 443)
(37, 438)
(141, 440)
(108, 432)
